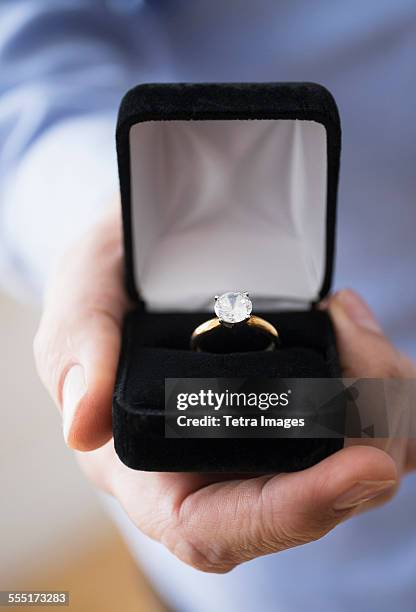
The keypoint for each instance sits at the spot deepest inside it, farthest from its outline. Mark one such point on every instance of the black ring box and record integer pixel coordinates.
(183, 166)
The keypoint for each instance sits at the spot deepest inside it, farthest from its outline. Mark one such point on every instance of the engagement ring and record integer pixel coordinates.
(235, 329)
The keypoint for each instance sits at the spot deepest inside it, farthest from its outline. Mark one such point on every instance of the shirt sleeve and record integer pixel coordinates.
(63, 68)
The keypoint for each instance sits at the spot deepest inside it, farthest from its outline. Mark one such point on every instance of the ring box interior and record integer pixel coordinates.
(224, 187)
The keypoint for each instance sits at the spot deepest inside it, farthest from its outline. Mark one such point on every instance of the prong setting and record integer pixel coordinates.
(233, 307)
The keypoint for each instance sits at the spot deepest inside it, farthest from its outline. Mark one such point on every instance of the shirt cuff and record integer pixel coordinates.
(61, 187)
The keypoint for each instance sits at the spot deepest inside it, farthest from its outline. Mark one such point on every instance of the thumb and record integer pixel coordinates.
(225, 524)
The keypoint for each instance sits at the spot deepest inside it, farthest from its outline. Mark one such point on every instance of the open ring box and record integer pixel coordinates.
(224, 187)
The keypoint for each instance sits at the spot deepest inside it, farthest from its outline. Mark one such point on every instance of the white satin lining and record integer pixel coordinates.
(228, 205)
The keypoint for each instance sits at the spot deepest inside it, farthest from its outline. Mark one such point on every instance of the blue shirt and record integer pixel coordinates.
(63, 68)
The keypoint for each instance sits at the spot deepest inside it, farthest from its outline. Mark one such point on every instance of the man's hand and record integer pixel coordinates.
(212, 522)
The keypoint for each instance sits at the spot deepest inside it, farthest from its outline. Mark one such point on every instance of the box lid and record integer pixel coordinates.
(228, 186)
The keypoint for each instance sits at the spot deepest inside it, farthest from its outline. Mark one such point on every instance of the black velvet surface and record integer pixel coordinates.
(156, 346)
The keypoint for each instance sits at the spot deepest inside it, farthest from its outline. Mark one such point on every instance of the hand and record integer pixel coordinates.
(213, 522)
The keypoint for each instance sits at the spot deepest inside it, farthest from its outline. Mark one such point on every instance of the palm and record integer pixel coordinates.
(210, 521)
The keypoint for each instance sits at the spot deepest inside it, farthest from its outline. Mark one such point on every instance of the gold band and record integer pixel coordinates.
(212, 325)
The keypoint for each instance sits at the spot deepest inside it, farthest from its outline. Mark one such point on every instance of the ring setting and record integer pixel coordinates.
(235, 328)
(233, 307)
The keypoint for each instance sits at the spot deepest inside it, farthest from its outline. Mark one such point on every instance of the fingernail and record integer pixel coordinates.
(362, 492)
(357, 310)
(74, 389)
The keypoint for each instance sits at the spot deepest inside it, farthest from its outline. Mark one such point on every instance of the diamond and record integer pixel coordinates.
(233, 307)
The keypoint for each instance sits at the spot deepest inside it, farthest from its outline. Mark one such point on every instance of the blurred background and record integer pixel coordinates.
(54, 532)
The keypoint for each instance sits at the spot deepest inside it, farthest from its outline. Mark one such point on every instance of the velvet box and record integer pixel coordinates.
(224, 187)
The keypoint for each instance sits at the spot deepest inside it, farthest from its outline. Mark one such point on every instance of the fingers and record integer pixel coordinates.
(364, 350)
(78, 341)
(224, 524)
